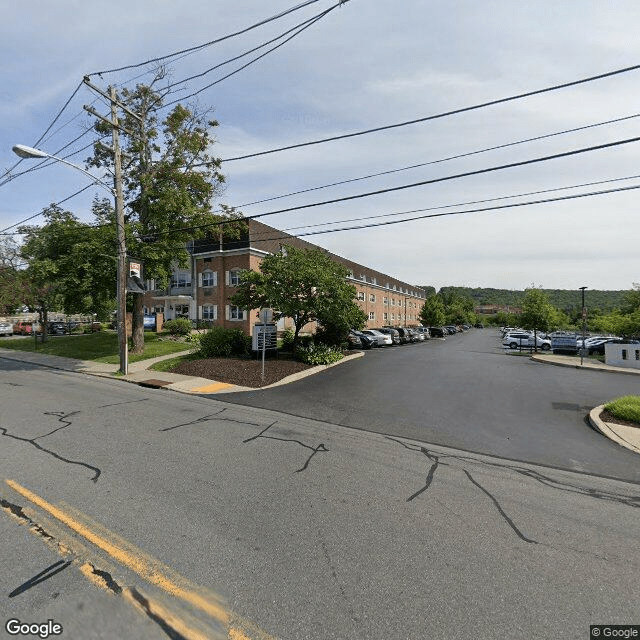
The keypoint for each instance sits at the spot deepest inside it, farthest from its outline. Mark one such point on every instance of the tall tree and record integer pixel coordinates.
(305, 285)
(12, 294)
(432, 312)
(537, 313)
(169, 183)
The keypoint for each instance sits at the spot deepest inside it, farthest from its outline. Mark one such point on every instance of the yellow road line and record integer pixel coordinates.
(142, 566)
(210, 388)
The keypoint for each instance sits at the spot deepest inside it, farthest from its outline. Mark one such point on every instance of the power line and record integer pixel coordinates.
(266, 53)
(437, 116)
(457, 213)
(465, 204)
(246, 53)
(206, 44)
(465, 174)
(440, 160)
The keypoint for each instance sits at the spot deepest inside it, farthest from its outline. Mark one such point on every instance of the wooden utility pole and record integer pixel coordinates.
(122, 249)
(119, 205)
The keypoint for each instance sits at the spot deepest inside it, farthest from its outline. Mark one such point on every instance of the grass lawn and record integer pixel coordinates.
(169, 363)
(100, 346)
(625, 408)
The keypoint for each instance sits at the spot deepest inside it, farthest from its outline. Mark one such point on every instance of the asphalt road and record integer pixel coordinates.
(466, 392)
(297, 528)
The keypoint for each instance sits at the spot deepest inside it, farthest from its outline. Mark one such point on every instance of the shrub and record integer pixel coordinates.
(625, 408)
(220, 342)
(318, 354)
(287, 339)
(178, 327)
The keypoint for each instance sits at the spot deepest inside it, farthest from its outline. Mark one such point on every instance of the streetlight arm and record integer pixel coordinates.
(29, 152)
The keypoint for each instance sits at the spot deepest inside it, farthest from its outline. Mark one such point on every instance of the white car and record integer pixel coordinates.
(6, 328)
(382, 338)
(523, 339)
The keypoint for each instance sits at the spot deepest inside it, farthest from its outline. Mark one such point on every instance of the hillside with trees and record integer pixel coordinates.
(566, 300)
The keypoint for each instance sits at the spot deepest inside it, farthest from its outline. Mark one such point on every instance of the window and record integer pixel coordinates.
(209, 278)
(372, 297)
(209, 312)
(393, 302)
(624, 354)
(360, 295)
(372, 315)
(374, 281)
(235, 313)
(637, 355)
(385, 300)
(234, 277)
(181, 279)
(385, 317)
(363, 277)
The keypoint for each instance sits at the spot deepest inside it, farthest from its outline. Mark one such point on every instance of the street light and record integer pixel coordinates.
(584, 325)
(23, 151)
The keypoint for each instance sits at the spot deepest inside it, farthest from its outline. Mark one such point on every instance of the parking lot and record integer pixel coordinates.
(464, 391)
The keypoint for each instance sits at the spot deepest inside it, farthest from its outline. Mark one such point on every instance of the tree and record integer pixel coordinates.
(73, 261)
(537, 313)
(169, 183)
(305, 285)
(11, 281)
(432, 312)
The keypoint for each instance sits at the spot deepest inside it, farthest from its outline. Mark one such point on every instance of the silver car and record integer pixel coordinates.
(6, 328)
(382, 338)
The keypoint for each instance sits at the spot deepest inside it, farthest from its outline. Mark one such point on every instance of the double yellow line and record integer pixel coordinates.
(150, 570)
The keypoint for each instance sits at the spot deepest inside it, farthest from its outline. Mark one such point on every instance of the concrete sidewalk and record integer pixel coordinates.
(139, 372)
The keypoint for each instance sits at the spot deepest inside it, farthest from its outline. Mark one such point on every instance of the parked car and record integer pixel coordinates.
(416, 336)
(405, 336)
(382, 338)
(478, 325)
(523, 339)
(56, 328)
(450, 329)
(357, 340)
(437, 332)
(424, 331)
(22, 328)
(6, 328)
(395, 335)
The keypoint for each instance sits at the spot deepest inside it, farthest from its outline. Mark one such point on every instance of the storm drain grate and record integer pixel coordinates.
(153, 383)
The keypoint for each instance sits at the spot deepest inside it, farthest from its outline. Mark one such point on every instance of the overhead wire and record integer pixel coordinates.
(465, 174)
(206, 44)
(439, 161)
(244, 66)
(437, 116)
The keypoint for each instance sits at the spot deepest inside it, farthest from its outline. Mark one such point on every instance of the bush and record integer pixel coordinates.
(178, 327)
(318, 354)
(625, 408)
(220, 342)
(287, 339)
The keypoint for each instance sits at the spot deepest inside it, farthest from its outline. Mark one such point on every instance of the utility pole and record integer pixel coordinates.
(119, 206)
(122, 249)
(584, 325)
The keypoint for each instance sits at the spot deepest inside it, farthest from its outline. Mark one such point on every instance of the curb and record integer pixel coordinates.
(607, 431)
(588, 366)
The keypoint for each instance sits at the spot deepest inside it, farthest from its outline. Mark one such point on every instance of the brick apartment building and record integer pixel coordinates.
(202, 291)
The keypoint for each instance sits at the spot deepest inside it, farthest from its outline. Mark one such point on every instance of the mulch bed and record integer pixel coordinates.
(609, 417)
(246, 373)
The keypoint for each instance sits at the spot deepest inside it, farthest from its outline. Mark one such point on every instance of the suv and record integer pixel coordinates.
(524, 339)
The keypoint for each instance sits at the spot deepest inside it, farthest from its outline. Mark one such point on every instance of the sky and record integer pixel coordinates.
(366, 64)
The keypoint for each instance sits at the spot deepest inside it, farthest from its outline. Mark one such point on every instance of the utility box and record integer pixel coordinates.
(265, 337)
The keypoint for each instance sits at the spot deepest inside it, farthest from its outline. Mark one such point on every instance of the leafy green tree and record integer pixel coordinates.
(537, 313)
(73, 261)
(169, 183)
(305, 285)
(11, 281)
(432, 313)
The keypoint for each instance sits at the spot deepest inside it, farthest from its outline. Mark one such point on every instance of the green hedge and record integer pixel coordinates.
(318, 354)
(178, 327)
(220, 342)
